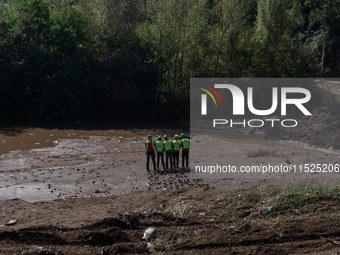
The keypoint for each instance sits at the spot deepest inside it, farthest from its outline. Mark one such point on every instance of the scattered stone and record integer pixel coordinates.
(11, 222)
(149, 233)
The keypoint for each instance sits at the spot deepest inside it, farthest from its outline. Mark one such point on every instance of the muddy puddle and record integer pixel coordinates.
(34, 138)
(38, 164)
(13, 139)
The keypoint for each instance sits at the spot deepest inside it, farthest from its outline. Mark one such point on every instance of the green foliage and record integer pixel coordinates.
(66, 60)
(283, 51)
(47, 68)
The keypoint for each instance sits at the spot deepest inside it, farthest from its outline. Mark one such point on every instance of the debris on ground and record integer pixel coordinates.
(11, 222)
(149, 233)
(266, 210)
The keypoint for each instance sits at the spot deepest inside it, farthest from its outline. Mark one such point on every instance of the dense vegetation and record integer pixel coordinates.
(84, 60)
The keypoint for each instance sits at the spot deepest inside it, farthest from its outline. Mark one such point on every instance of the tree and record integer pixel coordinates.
(48, 71)
(282, 49)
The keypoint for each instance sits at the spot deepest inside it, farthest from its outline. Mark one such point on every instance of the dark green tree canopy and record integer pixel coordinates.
(68, 61)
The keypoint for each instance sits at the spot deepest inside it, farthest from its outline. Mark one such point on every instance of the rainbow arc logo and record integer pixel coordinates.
(204, 97)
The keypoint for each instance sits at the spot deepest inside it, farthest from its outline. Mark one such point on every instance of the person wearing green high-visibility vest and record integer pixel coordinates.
(168, 152)
(185, 144)
(176, 145)
(150, 152)
(160, 151)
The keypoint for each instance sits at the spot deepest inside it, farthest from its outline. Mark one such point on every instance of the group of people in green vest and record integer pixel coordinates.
(171, 149)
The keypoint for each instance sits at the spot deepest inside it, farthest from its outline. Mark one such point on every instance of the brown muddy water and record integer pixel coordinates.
(38, 163)
(13, 139)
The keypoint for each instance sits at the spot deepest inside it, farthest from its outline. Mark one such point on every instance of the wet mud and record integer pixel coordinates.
(88, 192)
(115, 225)
(102, 163)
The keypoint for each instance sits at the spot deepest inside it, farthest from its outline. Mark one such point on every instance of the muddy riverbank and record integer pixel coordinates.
(52, 163)
(88, 192)
(100, 163)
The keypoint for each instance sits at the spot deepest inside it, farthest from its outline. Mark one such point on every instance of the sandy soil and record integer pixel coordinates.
(88, 192)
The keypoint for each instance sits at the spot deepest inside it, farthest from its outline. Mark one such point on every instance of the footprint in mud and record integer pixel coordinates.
(173, 180)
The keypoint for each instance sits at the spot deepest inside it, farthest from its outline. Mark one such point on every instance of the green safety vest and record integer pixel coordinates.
(159, 146)
(167, 145)
(147, 144)
(177, 145)
(186, 143)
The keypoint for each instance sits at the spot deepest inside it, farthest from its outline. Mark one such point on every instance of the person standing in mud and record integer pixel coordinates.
(150, 152)
(160, 152)
(185, 144)
(168, 152)
(176, 145)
